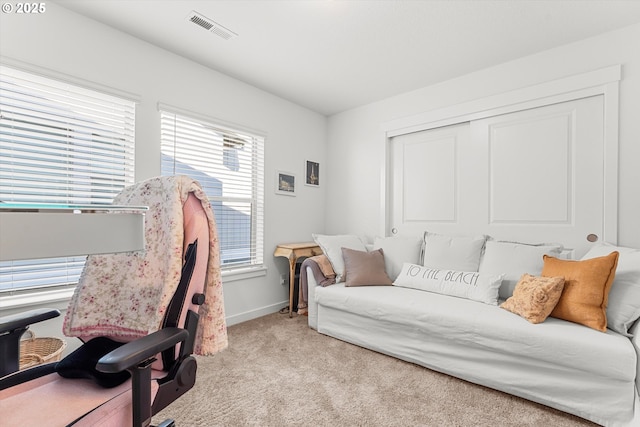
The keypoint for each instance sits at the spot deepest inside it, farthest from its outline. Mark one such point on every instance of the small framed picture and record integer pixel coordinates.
(311, 173)
(285, 183)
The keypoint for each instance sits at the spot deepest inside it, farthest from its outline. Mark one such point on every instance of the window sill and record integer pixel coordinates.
(56, 298)
(243, 273)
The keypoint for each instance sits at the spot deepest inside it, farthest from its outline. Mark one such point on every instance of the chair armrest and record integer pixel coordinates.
(136, 357)
(11, 329)
(140, 350)
(26, 318)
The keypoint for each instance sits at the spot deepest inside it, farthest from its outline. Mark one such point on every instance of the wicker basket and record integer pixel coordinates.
(34, 351)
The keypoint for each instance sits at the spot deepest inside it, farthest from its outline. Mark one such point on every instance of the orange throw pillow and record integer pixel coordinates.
(586, 288)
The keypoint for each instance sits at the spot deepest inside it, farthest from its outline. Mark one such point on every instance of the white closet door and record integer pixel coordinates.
(543, 173)
(426, 180)
(534, 176)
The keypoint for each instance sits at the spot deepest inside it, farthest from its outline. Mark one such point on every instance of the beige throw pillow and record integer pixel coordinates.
(534, 298)
(363, 268)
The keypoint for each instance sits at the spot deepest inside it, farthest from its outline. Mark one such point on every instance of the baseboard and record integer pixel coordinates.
(254, 314)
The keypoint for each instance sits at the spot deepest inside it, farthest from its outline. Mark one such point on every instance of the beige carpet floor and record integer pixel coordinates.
(279, 372)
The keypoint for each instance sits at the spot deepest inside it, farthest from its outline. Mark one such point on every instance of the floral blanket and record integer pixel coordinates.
(125, 295)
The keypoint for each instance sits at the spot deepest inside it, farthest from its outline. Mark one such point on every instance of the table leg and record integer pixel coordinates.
(292, 282)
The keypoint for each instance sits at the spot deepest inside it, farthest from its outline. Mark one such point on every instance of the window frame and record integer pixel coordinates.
(35, 84)
(256, 266)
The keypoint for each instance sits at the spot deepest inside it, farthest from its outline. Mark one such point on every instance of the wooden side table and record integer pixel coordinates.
(294, 251)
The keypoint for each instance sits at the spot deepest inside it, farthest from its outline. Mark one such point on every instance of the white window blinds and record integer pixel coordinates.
(229, 164)
(59, 143)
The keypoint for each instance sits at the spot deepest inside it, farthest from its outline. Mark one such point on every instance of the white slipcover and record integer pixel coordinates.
(560, 364)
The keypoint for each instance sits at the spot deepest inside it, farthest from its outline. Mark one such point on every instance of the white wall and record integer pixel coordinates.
(68, 43)
(355, 137)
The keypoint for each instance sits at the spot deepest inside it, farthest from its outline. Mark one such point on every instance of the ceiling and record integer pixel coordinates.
(330, 56)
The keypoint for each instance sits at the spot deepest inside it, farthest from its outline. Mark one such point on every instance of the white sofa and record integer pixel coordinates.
(558, 363)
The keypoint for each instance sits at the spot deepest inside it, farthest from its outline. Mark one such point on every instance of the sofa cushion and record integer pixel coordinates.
(513, 259)
(452, 252)
(534, 297)
(623, 309)
(362, 268)
(332, 247)
(462, 284)
(397, 251)
(586, 288)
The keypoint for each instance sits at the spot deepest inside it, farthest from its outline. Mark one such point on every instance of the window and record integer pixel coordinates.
(59, 143)
(229, 164)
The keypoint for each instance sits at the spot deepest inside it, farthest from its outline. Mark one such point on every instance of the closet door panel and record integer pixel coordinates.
(426, 179)
(429, 180)
(544, 173)
(530, 170)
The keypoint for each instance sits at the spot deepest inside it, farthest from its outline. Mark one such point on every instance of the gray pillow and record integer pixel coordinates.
(364, 268)
(623, 309)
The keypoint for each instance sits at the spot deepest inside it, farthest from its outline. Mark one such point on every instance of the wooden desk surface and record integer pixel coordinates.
(296, 250)
(297, 245)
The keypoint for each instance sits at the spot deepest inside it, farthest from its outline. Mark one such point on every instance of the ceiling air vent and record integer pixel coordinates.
(210, 25)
